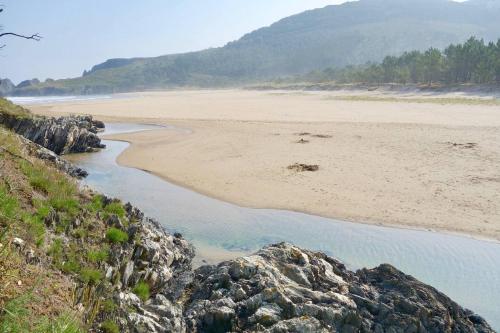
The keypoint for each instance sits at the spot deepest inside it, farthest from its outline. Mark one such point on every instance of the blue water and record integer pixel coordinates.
(465, 269)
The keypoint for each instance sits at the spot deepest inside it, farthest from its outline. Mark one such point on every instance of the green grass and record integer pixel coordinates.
(90, 275)
(16, 318)
(142, 291)
(9, 206)
(96, 204)
(115, 235)
(97, 256)
(109, 306)
(71, 266)
(37, 177)
(62, 324)
(9, 108)
(115, 208)
(110, 327)
(56, 251)
(35, 227)
(13, 318)
(61, 193)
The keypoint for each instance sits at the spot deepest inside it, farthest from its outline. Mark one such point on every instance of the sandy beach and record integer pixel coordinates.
(407, 163)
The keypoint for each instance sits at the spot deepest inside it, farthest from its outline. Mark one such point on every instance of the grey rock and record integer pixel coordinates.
(18, 242)
(64, 135)
(287, 289)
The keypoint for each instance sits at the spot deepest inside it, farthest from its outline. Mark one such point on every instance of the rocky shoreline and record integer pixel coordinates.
(64, 135)
(281, 288)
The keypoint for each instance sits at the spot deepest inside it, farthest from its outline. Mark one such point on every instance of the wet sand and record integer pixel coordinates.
(400, 163)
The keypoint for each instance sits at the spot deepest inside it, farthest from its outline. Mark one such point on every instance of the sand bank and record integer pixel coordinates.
(392, 162)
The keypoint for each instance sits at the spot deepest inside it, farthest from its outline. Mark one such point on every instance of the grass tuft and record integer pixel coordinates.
(142, 291)
(110, 327)
(115, 208)
(98, 256)
(115, 235)
(91, 276)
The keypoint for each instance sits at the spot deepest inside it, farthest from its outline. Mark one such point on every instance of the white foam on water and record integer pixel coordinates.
(31, 100)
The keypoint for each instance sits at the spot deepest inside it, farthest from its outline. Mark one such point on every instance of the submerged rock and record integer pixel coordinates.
(64, 135)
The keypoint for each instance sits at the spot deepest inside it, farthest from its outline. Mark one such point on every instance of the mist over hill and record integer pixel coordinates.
(335, 36)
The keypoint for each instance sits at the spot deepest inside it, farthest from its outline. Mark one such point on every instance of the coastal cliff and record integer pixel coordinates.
(70, 257)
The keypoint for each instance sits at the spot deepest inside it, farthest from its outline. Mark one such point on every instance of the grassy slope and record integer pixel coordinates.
(64, 228)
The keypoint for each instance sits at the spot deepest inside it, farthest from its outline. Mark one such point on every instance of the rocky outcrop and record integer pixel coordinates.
(60, 163)
(286, 289)
(152, 256)
(74, 134)
(282, 288)
(163, 261)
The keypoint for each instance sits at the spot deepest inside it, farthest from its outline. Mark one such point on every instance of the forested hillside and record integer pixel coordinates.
(335, 36)
(471, 62)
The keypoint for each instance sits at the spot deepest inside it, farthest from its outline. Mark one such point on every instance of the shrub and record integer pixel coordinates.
(142, 291)
(115, 235)
(110, 327)
(90, 275)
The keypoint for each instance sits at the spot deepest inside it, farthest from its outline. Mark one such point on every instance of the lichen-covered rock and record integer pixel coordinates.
(64, 135)
(285, 289)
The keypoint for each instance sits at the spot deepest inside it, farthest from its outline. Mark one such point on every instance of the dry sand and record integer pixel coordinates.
(402, 163)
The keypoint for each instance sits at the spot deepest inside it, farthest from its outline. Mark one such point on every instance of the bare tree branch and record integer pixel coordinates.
(36, 37)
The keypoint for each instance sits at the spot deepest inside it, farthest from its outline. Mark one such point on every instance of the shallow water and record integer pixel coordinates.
(465, 269)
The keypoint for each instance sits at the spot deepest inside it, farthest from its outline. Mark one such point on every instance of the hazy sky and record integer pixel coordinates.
(81, 33)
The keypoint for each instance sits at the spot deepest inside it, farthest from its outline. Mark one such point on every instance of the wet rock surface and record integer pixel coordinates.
(64, 135)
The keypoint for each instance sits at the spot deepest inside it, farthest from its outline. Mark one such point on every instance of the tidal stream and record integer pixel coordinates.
(466, 269)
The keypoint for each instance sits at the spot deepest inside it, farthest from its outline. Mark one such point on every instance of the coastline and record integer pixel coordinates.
(239, 159)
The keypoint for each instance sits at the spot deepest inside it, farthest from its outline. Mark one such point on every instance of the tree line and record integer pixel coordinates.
(471, 62)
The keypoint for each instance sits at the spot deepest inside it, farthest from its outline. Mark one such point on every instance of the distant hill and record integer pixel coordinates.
(334, 36)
